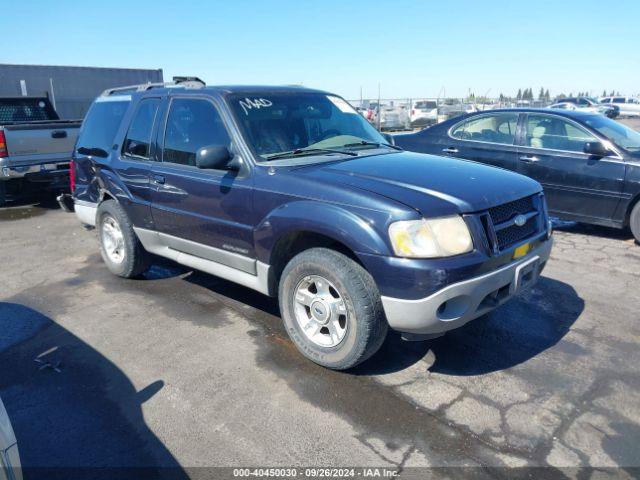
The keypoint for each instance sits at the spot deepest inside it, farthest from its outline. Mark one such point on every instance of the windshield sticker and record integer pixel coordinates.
(257, 103)
(341, 104)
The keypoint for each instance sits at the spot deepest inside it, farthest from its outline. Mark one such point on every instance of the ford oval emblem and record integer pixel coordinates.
(520, 220)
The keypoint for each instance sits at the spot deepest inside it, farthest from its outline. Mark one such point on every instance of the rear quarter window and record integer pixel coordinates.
(101, 124)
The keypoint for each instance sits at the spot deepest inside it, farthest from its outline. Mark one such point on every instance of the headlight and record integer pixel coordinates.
(436, 237)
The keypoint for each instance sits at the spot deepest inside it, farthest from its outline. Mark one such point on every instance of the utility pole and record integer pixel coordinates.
(379, 109)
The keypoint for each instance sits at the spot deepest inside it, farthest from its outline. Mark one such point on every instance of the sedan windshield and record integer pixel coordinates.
(296, 124)
(619, 134)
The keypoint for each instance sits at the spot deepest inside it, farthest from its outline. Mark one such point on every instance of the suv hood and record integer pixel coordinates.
(433, 185)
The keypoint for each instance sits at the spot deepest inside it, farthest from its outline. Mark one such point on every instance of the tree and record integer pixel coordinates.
(519, 96)
(604, 93)
(561, 96)
(541, 94)
(547, 97)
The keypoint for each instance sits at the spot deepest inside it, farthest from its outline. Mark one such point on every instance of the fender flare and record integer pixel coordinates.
(330, 220)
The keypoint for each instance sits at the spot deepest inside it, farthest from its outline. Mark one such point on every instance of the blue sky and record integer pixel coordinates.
(412, 48)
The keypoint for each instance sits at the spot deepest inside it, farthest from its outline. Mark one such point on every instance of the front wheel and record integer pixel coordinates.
(331, 308)
(634, 222)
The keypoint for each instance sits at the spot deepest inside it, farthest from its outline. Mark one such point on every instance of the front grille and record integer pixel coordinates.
(502, 232)
(514, 234)
(505, 212)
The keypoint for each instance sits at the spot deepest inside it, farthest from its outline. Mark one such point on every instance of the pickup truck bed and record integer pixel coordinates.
(34, 154)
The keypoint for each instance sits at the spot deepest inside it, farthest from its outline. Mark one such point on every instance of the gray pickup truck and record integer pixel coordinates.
(35, 147)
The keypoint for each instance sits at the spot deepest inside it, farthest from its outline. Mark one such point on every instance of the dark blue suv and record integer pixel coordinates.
(290, 192)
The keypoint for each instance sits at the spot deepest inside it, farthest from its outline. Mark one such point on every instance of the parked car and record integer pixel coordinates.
(454, 108)
(588, 164)
(627, 106)
(10, 468)
(424, 113)
(35, 146)
(290, 192)
(392, 117)
(586, 104)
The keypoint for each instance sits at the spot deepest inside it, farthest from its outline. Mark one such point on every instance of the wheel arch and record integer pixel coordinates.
(294, 228)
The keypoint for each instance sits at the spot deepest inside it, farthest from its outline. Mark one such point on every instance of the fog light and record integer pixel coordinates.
(5, 171)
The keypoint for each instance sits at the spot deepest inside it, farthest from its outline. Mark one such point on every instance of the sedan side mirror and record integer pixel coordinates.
(215, 157)
(597, 149)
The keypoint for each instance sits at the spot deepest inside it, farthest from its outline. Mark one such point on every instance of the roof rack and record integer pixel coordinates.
(184, 82)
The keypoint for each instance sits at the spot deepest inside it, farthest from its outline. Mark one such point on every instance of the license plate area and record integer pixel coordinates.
(526, 274)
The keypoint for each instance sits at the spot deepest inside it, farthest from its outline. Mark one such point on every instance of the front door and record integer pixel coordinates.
(488, 139)
(203, 212)
(577, 185)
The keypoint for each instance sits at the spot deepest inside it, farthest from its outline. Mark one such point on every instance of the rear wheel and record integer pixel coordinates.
(331, 308)
(634, 222)
(120, 248)
(3, 193)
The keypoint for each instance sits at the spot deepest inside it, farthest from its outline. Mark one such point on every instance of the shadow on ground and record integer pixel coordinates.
(28, 206)
(514, 333)
(75, 413)
(592, 230)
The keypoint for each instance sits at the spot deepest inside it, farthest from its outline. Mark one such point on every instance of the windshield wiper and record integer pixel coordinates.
(372, 144)
(308, 151)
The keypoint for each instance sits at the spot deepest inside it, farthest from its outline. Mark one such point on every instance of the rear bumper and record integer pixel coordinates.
(459, 303)
(85, 211)
(43, 172)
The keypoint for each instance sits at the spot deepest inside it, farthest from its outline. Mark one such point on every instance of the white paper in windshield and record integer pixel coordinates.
(341, 104)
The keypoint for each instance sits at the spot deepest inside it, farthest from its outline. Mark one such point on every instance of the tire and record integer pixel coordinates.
(128, 259)
(3, 193)
(353, 301)
(634, 222)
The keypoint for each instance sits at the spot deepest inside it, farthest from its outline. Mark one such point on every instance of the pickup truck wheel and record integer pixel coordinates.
(331, 308)
(120, 248)
(634, 222)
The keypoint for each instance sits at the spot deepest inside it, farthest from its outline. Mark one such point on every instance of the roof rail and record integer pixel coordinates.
(185, 82)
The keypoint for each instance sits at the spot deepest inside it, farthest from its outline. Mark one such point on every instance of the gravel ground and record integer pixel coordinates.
(181, 369)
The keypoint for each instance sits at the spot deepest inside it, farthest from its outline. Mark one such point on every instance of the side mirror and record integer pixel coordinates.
(597, 149)
(389, 138)
(92, 152)
(213, 157)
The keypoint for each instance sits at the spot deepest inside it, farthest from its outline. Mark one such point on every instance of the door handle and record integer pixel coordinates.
(450, 150)
(59, 134)
(529, 159)
(159, 179)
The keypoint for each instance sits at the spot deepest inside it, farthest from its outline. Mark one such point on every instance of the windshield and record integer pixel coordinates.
(292, 123)
(619, 134)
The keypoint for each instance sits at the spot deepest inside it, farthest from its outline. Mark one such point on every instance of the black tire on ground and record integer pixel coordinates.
(136, 260)
(634, 222)
(366, 325)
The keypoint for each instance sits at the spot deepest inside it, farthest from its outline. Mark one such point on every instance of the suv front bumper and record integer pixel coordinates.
(459, 303)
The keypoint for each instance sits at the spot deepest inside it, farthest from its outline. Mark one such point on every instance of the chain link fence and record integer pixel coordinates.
(399, 114)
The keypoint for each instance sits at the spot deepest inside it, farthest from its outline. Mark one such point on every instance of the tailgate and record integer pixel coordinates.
(39, 143)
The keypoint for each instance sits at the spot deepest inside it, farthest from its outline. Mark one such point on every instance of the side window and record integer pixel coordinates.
(138, 140)
(499, 128)
(192, 123)
(101, 124)
(584, 102)
(618, 100)
(605, 100)
(545, 131)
